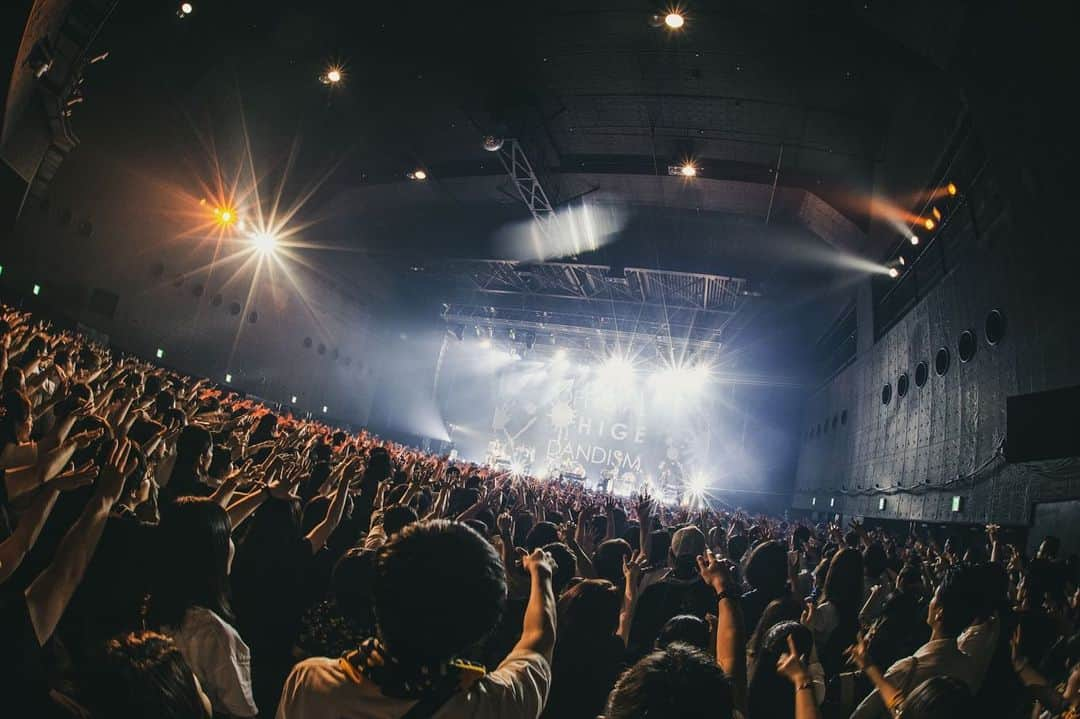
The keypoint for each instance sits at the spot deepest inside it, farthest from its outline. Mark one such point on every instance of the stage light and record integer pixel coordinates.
(333, 76)
(37, 290)
(936, 213)
(225, 216)
(674, 20)
(417, 175)
(264, 242)
(929, 223)
(160, 353)
(560, 355)
(914, 239)
(294, 399)
(903, 261)
(485, 343)
(492, 143)
(894, 273)
(517, 469)
(228, 378)
(688, 170)
(699, 483)
(185, 9)
(951, 189)
(617, 370)
(324, 409)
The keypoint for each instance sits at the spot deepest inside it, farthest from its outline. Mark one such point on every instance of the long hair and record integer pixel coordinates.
(844, 583)
(16, 410)
(768, 693)
(588, 611)
(194, 537)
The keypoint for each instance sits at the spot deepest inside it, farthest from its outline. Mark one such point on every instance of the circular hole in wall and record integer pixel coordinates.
(994, 327)
(902, 385)
(942, 361)
(886, 393)
(922, 372)
(966, 345)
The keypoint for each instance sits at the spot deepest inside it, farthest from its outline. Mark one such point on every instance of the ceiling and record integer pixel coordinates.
(784, 106)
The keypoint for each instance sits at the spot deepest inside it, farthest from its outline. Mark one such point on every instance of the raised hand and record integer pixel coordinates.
(75, 477)
(505, 524)
(790, 665)
(717, 573)
(859, 653)
(82, 440)
(119, 464)
(539, 563)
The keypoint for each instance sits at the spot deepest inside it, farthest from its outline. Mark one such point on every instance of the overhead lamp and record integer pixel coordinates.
(324, 409)
(914, 239)
(894, 273)
(951, 189)
(417, 174)
(228, 377)
(492, 143)
(936, 213)
(674, 20)
(688, 170)
(929, 223)
(294, 399)
(185, 10)
(334, 76)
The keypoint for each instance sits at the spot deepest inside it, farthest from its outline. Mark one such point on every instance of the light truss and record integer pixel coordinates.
(527, 184)
(599, 283)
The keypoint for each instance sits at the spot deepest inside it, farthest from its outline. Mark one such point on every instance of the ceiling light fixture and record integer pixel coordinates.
(674, 20)
(416, 175)
(185, 9)
(492, 143)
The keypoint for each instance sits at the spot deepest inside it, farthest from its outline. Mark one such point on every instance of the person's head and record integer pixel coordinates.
(351, 585)
(940, 697)
(589, 610)
(1049, 547)
(768, 693)
(264, 428)
(164, 400)
(17, 420)
(195, 448)
(952, 608)
(844, 581)
(141, 674)
(909, 580)
(137, 484)
(609, 558)
(152, 385)
(766, 570)
(874, 560)
(799, 537)
(541, 533)
(678, 681)
(440, 559)
(684, 629)
(659, 543)
(196, 552)
(397, 518)
(565, 565)
(990, 589)
(14, 380)
(687, 544)
(736, 547)
(784, 609)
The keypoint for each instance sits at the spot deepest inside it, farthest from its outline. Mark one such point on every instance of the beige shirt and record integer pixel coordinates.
(220, 659)
(938, 657)
(321, 688)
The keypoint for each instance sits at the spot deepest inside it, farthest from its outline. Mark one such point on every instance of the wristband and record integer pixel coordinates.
(805, 684)
(721, 596)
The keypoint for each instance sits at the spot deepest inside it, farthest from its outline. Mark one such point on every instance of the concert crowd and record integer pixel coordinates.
(174, 549)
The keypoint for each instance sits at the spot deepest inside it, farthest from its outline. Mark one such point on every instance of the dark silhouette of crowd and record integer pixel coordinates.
(173, 549)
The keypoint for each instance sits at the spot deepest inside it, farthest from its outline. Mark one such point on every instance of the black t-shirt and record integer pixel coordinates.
(24, 686)
(663, 600)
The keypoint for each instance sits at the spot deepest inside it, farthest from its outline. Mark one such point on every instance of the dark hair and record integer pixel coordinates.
(678, 681)
(565, 565)
(1053, 545)
(609, 560)
(164, 400)
(541, 533)
(192, 444)
(736, 547)
(193, 567)
(444, 557)
(940, 697)
(397, 518)
(768, 693)
(784, 609)
(684, 629)
(909, 575)
(351, 584)
(800, 536)
(264, 428)
(874, 560)
(16, 412)
(844, 582)
(589, 611)
(141, 674)
(956, 598)
(659, 544)
(152, 385)
(767, 567)
(13, 380)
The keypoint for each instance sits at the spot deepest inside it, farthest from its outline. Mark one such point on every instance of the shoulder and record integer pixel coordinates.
(207, 628)
(519, 687)
(317, 673)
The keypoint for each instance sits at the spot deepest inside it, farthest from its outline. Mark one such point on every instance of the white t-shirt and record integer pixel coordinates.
(220, 660)
(322, 688)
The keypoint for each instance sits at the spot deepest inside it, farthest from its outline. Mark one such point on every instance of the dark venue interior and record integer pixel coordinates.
(582, 359)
